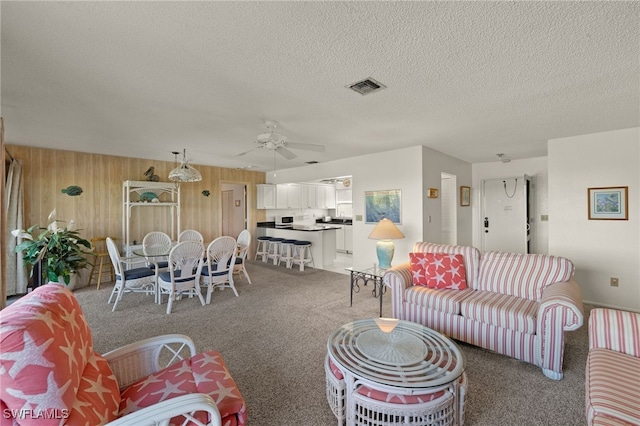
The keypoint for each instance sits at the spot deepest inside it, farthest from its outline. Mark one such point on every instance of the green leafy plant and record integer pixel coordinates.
(62, 250)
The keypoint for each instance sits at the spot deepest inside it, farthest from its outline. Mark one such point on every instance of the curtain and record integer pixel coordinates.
(16, 272)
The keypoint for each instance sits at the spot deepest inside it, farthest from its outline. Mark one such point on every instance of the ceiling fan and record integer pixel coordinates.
(278, 143)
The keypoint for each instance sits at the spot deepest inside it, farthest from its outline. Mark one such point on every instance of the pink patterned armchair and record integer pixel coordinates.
(51, 375)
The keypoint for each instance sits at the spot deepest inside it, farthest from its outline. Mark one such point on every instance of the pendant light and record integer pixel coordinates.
(184, 172)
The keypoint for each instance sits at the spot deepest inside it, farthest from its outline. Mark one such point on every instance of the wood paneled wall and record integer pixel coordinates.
(98, 210)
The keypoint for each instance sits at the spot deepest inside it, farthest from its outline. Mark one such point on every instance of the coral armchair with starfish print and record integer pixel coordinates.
(51, 375)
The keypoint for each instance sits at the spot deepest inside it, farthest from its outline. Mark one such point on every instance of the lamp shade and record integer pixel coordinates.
(184, 172)
(386, 230)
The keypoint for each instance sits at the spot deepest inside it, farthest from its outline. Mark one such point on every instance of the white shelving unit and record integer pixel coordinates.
(132, 196)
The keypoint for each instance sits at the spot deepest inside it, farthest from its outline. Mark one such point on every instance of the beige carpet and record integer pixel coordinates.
(273, 339)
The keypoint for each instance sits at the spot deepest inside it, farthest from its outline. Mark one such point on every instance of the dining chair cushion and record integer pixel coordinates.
(161, 265)
(204, 373)
(205, 272)
(166, 276)
(132, 274)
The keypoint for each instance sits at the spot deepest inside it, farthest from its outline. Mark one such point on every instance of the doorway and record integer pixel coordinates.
(234, 209)
(448, 205)
(505, 214)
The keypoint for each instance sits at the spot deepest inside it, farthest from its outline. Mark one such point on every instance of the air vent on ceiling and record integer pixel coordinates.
(366, 86)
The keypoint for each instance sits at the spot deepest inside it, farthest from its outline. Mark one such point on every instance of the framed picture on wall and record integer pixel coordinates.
(608, 203)
(380, 204)
(465, 196)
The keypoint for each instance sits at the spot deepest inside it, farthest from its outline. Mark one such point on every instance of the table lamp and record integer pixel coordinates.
(384, 232)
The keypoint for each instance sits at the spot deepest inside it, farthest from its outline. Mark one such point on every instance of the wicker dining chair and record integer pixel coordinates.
(135, 280)
(158, 241)
(190, 235)
(183, 276)
(244, 242)
(221, 257)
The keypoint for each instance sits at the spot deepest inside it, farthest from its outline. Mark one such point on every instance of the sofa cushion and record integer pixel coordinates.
(471, 257)
(612, 386)
(441, 300)
(522, 275)
(204, 373)
(46, 350)
(438, 270)
(501, 310)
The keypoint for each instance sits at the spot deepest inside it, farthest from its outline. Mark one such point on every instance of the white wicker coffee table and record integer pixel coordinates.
(402, 361)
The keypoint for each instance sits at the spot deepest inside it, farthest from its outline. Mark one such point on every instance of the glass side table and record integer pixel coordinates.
(363, 275)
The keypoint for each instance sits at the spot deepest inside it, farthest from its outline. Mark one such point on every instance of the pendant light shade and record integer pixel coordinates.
(184, 172)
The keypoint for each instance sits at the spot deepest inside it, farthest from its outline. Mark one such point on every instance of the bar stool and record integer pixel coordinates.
(286, 252)
(99, 247)
(302, 254)
(262, 249)
(273, 251)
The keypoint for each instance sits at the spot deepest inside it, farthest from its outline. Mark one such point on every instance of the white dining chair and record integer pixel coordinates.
(218, 273)
(243, 243)
(190, 235)
(183, 276)
(136, 280)
(157, 241)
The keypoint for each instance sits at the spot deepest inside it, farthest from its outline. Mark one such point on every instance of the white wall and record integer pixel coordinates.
(534, 167)
(600, 249)
(411, 170)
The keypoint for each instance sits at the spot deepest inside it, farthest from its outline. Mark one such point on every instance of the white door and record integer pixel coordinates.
(448, 205)
(227, 214)
(504, 220)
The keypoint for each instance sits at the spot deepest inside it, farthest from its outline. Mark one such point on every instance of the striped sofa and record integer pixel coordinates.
(516, 304)
(612, 380)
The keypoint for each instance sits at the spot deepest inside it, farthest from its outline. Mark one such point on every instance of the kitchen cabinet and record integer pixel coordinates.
(326, 197)
(288, 196)
(310, 196)
(266, 196)
(296, 196)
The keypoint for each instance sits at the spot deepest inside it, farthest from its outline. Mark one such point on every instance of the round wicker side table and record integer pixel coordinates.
(394, 372)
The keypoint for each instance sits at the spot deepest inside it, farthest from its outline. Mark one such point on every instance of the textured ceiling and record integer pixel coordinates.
(470, 79)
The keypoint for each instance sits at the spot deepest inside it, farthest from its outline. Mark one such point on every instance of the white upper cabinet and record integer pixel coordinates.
(289, 196)
(296, 196)
(326, 197)
(309, 196)
(266, 196)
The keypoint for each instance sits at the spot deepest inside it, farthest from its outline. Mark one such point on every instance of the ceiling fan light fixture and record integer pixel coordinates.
(184, 172)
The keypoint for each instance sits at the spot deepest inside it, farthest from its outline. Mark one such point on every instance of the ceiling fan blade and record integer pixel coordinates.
(307, 146)
(246, 152)
(286, 153)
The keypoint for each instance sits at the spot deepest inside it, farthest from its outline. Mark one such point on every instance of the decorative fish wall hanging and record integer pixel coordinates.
(72, 190)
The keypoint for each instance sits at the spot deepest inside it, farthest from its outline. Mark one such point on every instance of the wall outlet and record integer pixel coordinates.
(358, 218)
(544, 218)
(614, 282)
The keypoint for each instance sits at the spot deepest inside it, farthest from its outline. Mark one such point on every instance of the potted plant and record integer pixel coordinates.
(62, 251)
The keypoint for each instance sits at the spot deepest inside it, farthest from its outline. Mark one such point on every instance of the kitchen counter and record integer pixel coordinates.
(321, 236)
(307, 228)
(335, 221)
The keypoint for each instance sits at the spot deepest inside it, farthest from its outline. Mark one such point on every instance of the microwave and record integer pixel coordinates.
(284, 220)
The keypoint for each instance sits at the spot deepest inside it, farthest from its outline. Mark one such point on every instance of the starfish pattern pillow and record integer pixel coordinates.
(438, 270)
